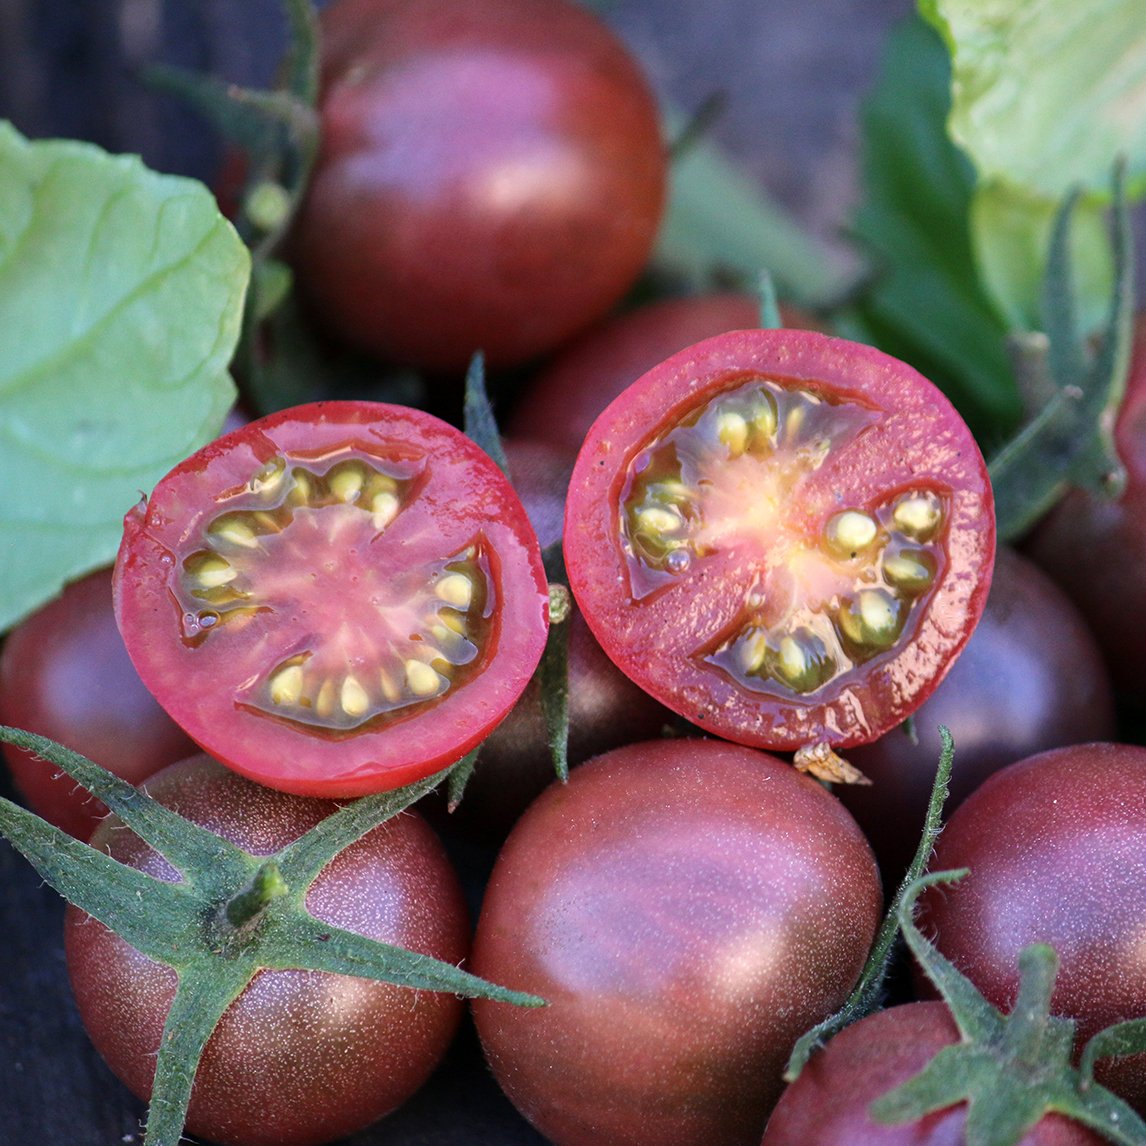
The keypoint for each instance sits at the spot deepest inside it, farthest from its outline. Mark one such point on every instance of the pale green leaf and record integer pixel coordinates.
(1046, 96)
(121, 296)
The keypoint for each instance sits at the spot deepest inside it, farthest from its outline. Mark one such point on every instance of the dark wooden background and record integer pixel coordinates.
(792, 75)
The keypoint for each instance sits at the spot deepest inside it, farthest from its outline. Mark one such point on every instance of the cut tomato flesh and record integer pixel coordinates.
(783, 536)
(327, 587)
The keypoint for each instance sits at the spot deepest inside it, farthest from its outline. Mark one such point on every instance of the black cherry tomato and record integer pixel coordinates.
(688, 908)
(491, 177)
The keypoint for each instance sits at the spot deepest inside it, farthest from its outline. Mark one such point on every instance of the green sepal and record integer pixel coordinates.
(1069, 441)
(1011, 1069)
(867, 993)
(769, 304)
(184, 925)
(1115, 1041)
(459, 777)
(183, 844)
(479, 422)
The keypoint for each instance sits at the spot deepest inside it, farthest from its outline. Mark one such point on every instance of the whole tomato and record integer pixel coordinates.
(491, 177)
(300, 1057)
(688, 908)
(828, 1103)
(1056, 849)
(1030, 678)
(65, 673)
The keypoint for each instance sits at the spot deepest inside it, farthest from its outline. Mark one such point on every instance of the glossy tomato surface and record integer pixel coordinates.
(688, 908)
(491, 177)
(64, 673)
(336, 599)
(786, 538)
(565, 398)
(828, 1103)
(300, 1057)
(1056, 847)
(1030, 678)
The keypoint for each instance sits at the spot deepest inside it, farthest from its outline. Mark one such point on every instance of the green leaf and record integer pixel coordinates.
(1046, 95)
(867, 994)
(480, 423)
(121, 296)
(1047, 92)
(719, 223)
(925, 303)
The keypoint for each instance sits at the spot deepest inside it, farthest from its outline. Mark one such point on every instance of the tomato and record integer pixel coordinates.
(336, 599)
(1030, 678)
(491, 177)
(828, 1103)
(784, 537)
(688, 908)
(1056, 847)
(1095, 548)
(64, 672)
(301, 1056)
(563, 400)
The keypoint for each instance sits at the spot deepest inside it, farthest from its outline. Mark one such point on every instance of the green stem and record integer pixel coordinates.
(267, 886)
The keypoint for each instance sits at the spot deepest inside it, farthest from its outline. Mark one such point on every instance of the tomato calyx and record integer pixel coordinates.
(254, 905)
(1009, 1069)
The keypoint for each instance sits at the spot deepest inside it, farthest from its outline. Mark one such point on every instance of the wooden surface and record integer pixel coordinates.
(792, 75)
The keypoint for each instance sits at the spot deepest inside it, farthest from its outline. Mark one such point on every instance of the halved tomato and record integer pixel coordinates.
(784, 537)
(336, 599)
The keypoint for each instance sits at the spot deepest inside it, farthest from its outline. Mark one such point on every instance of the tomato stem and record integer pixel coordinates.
(267, 886)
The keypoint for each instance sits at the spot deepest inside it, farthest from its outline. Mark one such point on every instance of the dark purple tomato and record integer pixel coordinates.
(1030, 678)
(1095, 548)
(828, 1104)
(65, 673)
(1056, 847)
(491, 177)
(688, 908)
(300, 1057)
(563, 400)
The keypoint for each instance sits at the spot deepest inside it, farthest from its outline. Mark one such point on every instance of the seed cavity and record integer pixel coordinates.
(295, 530)
(872, 621)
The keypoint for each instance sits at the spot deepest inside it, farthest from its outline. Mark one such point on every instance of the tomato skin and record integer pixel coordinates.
(459, 497)
(688, 908)
(64, 673)
(916, 437)
(302, 1057)
(827, 1104)
(491, 176)
(1030, 678)
(1056, 847)
(564, 399)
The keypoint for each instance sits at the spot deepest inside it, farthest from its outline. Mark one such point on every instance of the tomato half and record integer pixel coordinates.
(785, 537)
(336, 599)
